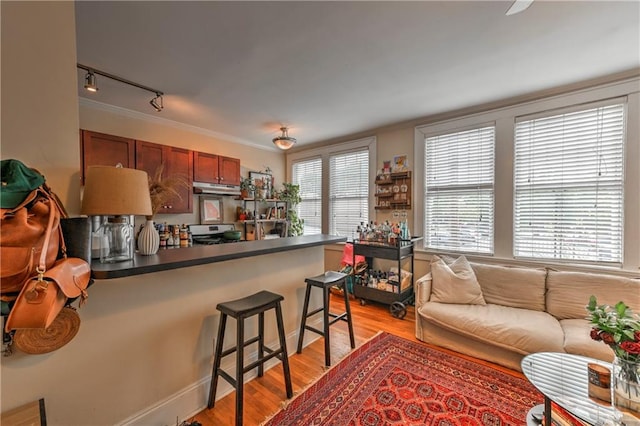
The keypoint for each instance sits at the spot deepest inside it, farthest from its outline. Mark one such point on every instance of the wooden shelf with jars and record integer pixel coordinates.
(393, 191)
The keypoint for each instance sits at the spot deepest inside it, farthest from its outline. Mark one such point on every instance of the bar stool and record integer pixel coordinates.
(325, 282)
(241, 309)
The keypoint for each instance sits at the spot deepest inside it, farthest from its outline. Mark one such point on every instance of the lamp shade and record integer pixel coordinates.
(113, 191)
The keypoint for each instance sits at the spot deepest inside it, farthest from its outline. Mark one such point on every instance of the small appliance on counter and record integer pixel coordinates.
(214, 234)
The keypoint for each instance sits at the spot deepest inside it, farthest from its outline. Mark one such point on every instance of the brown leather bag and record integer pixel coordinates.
(27, 232)
(43, 297)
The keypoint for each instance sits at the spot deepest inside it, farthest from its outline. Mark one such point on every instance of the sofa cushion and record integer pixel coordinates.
(520, 330)
(568, 292)
(454, 283)
(577, 340)
(512, 286)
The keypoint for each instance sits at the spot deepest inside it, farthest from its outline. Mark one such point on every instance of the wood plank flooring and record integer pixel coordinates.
(265, 395)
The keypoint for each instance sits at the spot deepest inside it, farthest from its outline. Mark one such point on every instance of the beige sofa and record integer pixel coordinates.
(527, 310)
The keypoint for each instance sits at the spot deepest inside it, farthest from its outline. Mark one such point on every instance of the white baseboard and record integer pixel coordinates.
(192, 399)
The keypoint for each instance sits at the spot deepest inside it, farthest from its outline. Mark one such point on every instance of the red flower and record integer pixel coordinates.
(607, 338)
(632, 348)
(595, 334)
(636, 335)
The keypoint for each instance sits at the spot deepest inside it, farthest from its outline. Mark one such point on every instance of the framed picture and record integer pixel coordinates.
(210, 209)
(263, 183)
(400, 163)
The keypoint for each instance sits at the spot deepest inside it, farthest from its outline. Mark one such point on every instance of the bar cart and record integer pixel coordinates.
(396, 295)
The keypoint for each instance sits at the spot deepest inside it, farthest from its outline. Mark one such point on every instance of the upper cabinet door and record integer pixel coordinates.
(229, 171)
(205, 167)
(174, 162)
(98, 149)
(180, 163)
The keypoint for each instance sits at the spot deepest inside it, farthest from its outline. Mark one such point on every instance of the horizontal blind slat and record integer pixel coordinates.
(568, 179)
(459, 198)
(308, 174)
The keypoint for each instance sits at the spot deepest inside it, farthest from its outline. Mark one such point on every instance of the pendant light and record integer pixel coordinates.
(284, 141)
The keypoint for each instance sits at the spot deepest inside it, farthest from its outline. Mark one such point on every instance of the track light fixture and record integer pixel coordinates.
(90, 85)
(157, 102)
(283, 141)
(90, 82)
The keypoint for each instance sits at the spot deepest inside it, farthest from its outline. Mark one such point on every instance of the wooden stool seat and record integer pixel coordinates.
(325, 282)
(240, 309)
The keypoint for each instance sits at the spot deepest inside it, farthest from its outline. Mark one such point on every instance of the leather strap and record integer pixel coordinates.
(42, 265)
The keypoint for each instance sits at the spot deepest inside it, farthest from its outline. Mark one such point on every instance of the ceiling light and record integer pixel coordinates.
(90, 82)
(157, 102)
(284, 142)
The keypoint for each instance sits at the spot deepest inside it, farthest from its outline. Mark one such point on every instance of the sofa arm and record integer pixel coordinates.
(423, 290)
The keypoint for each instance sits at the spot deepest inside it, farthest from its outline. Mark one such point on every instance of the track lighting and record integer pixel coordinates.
(90, 82)
(157, 102)
(284, 142)
(90, 85)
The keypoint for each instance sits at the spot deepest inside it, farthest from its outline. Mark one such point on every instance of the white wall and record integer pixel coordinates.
(39, 99)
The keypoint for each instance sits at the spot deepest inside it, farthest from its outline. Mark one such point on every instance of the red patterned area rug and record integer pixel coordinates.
(390, 380)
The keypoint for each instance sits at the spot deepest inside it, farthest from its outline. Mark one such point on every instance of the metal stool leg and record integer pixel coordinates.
(216, 361)
(303, 321)
(347, 308)
(285, 357)
(325, 317)
(239, 369)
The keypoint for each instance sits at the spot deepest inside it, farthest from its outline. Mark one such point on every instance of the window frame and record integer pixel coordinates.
(505, 117)
(559, 186)
(483, 186)
(325, 152)
(306, 160)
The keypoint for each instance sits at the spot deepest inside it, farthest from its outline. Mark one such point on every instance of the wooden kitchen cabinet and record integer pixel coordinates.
(211, 168)
(177, 161)
(99, 149)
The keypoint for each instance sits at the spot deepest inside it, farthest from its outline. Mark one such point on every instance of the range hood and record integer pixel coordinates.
(214, 188)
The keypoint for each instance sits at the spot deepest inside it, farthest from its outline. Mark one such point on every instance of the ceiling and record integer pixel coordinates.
(240, 70)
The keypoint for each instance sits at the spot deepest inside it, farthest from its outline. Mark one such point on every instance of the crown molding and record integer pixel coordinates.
(89, 103)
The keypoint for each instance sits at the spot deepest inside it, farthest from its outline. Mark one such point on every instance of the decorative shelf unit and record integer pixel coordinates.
(275, 215)
(393, 191)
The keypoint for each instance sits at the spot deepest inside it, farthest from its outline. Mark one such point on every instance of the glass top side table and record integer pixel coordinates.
(563, 379)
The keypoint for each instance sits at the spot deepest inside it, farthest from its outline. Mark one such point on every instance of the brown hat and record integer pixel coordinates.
(44, 340)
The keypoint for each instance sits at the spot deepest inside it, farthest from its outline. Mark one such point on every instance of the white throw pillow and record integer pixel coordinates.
(454, 283)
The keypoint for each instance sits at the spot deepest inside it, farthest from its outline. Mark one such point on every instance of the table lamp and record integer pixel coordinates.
(118, 193)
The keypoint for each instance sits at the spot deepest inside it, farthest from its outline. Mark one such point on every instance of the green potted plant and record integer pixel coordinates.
(291, 194)
(247, 187)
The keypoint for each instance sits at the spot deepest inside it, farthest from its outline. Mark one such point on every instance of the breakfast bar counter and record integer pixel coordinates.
(149, 326)
(167, 259)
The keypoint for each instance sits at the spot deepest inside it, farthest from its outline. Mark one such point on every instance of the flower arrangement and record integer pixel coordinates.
(162, 189)
(617, 327)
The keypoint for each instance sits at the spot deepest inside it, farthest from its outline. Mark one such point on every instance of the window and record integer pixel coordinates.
(459, 198)
(348, 191)
(569, 185)
(308, 174)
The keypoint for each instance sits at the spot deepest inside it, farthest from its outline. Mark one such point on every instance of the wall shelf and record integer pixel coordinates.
(393, 191)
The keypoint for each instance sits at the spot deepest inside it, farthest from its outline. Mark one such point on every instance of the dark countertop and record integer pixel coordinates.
(182, 257)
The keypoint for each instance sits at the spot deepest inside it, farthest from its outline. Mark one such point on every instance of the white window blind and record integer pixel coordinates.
(348, 191)
(459, 198)
(308, 174)
(569, 185)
